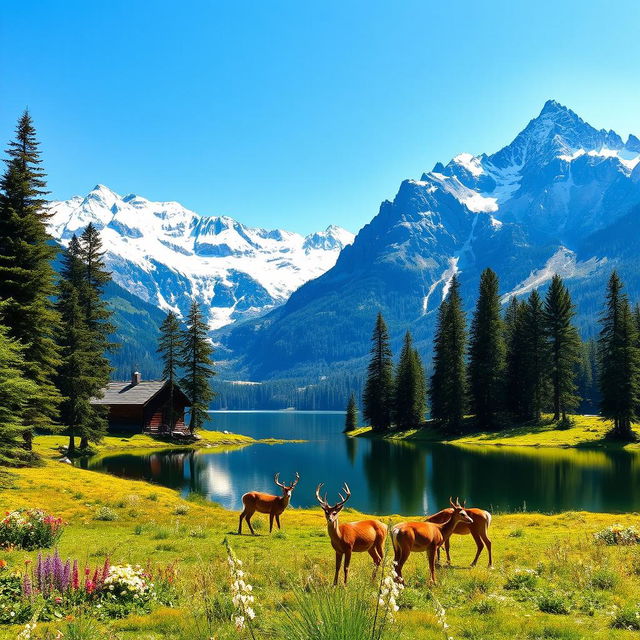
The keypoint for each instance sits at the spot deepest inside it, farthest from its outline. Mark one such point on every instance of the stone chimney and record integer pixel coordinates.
(135, 378)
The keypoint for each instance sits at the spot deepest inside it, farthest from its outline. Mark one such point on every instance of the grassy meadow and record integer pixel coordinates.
(550, 580)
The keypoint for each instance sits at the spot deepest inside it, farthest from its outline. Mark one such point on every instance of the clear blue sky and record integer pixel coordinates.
(299, 114)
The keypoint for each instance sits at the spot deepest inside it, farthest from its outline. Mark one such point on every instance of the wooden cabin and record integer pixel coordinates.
(140, 406)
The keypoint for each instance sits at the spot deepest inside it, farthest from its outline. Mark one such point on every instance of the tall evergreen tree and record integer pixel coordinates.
(198, 366)
(17, 393)
(378, 389)
(351, 419)
(619, 362)
(78, 378)
(448, 382)
(487, 353)
(170, 346)
(26, 275)
(535, 355)
(587, 380)
(410, 392)
(515, 390)
(564, 348)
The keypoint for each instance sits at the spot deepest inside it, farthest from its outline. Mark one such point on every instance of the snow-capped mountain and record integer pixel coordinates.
(167, 255)
(561, 198)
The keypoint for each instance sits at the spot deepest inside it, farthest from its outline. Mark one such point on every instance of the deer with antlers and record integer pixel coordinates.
(366, 535)
(266, 503)
(425, 536)
(478, 528)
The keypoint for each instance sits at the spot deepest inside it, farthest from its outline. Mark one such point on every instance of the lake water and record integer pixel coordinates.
(386, 477)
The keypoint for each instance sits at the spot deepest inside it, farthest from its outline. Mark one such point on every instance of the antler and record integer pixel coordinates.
(295, 482)
(322, 501)
(275, 479)
(343, 499)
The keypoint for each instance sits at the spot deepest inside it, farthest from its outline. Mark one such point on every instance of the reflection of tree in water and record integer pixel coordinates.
(548, 481)
(165, 468)
(352, 445)
(395, 470)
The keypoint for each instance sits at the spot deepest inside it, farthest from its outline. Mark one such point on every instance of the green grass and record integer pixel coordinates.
(585, 431)
(577, 589)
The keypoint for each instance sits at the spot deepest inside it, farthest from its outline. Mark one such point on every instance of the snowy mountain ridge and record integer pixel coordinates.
(167, 254)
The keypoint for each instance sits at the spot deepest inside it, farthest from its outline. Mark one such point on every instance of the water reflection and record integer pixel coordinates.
(389, 477)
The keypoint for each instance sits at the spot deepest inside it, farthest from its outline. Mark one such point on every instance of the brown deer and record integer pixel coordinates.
(424, 536)
(478, 529)
(266, 503)
(366, 535)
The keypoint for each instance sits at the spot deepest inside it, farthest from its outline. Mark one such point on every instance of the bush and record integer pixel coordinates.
(553, 602)
(522, 579)
(181, 509)
(604, 579)
(105, 514)
(12, 610)
(627, 618)
(29, 529)
(617, 534)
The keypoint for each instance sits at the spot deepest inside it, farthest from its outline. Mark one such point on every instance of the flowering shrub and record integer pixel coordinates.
(241, 590)
(617, 534)
(29, 529)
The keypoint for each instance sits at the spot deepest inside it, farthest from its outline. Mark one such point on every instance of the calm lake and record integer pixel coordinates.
(387, 477)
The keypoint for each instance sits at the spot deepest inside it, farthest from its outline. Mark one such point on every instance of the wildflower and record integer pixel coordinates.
(242, 598)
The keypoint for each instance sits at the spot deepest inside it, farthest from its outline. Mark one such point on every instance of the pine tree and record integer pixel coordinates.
(170, 346)
(26, 275)
(351, 419)
(378, 390)
(619, 363)
(448, 382)
(487, 353)
(17, 393)
(535, 358)
(564, 347)
(195, 359)
(516, 394)
(410, 392)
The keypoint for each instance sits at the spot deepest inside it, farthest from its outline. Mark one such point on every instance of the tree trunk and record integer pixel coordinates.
(84, 442)
(71, 449)
(27, 436)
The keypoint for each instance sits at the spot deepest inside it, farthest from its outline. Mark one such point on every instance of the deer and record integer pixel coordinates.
(266, 503)
(424, 536)
(354, 537)
(478, 529)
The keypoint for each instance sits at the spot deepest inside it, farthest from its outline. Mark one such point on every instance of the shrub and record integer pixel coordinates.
(484, 606)
(181, 509)
(29, 529)
(617, 534)
(522, 579)
(516, 533)
(627, 618)
(12, 610)
(604, 579)
(553, 602)
(105, 514)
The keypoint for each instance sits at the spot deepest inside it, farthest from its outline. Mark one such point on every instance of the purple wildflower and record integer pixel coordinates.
(27, 588)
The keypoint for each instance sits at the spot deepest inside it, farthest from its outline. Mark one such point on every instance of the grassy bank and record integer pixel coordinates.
(571, 588)
(585, 431)
(50, 446)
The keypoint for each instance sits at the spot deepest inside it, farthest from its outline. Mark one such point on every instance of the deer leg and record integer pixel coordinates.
(270, 522)
(447, 544)
(248, 519)
(487, 543)
(480, 547)
(347, 562)
(240, 524)
(431, 555)
(400, 559)
(373, 552)
(278, 521)
(338, 563)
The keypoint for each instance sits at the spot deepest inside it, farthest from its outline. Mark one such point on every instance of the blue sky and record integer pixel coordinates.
(300, 114)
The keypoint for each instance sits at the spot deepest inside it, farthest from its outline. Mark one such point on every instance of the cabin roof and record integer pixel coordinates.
(132, 394)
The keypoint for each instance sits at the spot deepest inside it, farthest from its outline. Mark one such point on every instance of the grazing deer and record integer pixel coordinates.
(424, 536)
(266, 503)
(478, 528)
(366, 535)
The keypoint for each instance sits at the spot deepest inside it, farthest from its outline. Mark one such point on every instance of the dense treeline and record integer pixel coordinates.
(53, 329)
(512, 366)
